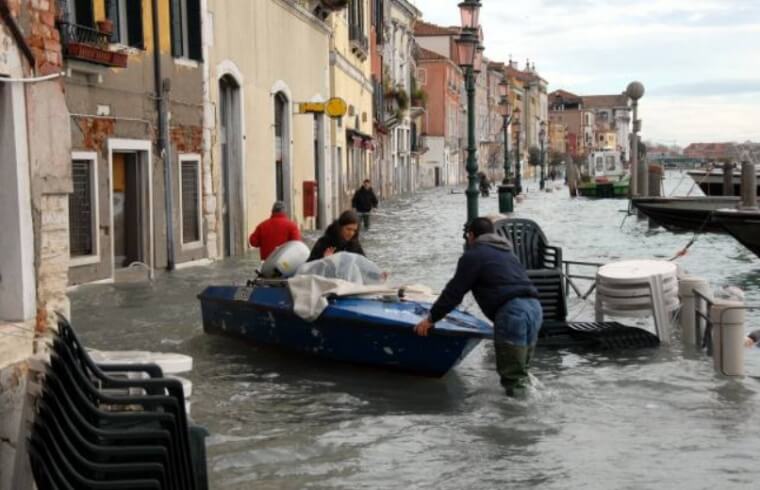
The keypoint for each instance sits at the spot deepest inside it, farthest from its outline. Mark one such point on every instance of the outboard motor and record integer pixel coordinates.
(285, 260)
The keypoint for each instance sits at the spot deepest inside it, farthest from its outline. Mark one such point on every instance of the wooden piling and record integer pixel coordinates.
(749, 185)
(728, 179)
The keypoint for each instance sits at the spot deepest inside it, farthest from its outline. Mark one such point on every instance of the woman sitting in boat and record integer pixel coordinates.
(341, 236)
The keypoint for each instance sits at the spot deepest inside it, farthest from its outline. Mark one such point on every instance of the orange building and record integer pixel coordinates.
(442, 80)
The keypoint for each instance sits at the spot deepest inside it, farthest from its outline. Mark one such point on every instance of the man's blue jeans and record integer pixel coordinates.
(516, 329)
(518, 322)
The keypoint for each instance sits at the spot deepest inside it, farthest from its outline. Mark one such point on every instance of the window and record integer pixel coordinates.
(190, 198)
(356, 18)
(186, 29)
(126, 16)
(78, 12)
(83, 211)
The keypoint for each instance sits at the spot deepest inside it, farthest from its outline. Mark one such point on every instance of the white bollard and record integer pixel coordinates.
(727, 318)
(688, 318)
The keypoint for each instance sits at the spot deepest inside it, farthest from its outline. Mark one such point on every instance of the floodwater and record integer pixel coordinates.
(650, 419)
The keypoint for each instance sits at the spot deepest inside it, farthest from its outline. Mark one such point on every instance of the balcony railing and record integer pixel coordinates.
(89, 44)
(359, 41)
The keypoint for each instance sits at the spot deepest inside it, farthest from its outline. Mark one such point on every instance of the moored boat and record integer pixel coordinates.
(711, 181)
(371, 331)
(743, 225)
(604, 176)
(684, 213)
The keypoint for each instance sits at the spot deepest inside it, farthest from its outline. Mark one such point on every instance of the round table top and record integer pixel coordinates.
(631, 270)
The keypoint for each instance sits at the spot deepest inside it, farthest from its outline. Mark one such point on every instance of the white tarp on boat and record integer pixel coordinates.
(343, 274)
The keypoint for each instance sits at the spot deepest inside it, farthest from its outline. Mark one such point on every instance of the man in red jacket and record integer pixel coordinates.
(275, 231)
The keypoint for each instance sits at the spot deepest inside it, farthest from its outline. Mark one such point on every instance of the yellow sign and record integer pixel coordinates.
(335, 107)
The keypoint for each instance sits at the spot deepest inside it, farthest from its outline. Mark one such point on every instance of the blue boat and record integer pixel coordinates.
(373, 332)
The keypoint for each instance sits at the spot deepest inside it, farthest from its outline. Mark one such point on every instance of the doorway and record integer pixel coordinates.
(131, 208)
(230, 135)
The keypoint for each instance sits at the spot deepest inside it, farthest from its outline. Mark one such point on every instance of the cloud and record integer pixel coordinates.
(710, 88)
(697, 49)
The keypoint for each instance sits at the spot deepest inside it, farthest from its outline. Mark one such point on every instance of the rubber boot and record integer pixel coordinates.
(512, 365)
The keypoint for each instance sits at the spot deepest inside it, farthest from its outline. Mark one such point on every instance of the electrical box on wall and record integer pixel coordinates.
(310, 191)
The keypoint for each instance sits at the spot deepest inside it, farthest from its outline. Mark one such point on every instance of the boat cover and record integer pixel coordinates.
(345, 274)
(348, 266)
(310, 293)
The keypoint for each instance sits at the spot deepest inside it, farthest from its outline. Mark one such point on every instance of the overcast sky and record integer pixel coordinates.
(699, 59)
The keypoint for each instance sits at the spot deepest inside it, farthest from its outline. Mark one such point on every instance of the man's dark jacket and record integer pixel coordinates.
(492, 272)
(364, 200)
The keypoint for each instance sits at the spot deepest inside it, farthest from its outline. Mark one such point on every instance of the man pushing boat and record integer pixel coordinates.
(504, 293)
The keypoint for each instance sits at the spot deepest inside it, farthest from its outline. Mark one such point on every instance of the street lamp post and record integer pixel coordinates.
(516, 126)
(469, 53)
(542, 139)
(504, 92)
(639, 179)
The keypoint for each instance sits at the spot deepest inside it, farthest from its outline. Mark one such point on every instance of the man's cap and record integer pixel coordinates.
(278, 207)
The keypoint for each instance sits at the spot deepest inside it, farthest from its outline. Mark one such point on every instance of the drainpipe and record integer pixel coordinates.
(162, 88)
(5, 14)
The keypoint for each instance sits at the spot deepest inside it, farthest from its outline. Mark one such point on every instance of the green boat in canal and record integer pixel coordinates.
(604, 176)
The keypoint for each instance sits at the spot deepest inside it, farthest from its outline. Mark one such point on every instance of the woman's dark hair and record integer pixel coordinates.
(480, 226)
(348, 217)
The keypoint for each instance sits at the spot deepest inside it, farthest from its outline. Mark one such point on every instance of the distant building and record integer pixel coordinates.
(612, 118)
(566, 111)
(442, 79)
(530, 95)
(711, 151)
(591, 122)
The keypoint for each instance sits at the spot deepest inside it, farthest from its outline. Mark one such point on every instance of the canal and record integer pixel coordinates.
(648, 419)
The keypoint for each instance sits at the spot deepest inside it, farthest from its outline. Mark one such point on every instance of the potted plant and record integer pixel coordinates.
(419, 97)
(105, 26)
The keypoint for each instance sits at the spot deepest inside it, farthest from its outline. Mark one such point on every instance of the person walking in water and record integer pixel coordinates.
(504, 293)
(364, 202)
(273, 232)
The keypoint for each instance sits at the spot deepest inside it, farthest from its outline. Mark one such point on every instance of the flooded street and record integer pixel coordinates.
(651, 419)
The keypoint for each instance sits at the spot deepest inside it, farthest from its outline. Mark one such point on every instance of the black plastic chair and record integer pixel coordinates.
(81, 389)
(48, 455)
(137, 444)
(53, 436)
(543, 264)
(84, 437)
(193, 439)
(530, 244)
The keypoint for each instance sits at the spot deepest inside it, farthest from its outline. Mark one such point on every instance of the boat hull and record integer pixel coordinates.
(744, 226)
(684, 213)
(605, 189)
(358, 331)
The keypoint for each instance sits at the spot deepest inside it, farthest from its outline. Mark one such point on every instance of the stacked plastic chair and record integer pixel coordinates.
(543, 263)
(639, 288)
(91, 431)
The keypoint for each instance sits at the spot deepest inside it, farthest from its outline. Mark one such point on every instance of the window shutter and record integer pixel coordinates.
(190, 202)
(135, 25)
(81, 210)
(112, 13)
(176, 15)
(194, 32)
